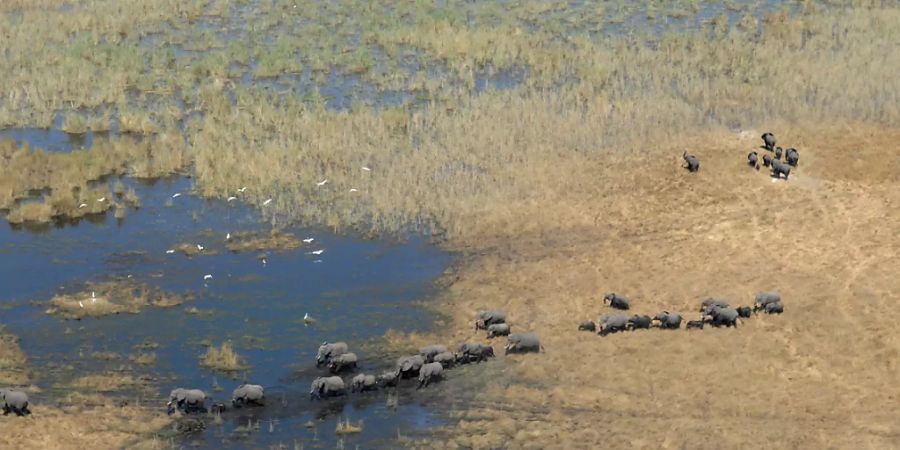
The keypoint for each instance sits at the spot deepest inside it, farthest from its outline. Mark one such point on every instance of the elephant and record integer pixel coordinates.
(792, 157)
(712, 303)
(523, 343)
(745, 311)
(723, 316)
(753, 159)
(638, 321)
(389, 378)
(768, 141)
(616, 301)
(779, 168)
(693, 164)
(323, 387)
(14, 402)
(328, 351)
(340, 363)
(429, 372)
(474, 352)
(498, 329)
(409, 365)
(613, 323)
(587, 325)
(362, 383)
(187, 400)
(778, 152)
(430, 351)
(668, 321)
(774, 308)
(248, 394)
(764, 298)
(767, 160)
(446, 359)
(485, 319)
(695, 324)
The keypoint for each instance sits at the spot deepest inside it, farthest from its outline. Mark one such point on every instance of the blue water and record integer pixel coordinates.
(357, 289)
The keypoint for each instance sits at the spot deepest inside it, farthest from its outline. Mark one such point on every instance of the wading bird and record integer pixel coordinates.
(232, 198)
(267, 202)
(176, 195)
(322, 183)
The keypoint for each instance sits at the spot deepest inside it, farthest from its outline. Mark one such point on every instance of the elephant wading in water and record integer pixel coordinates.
(362, 383)
(430, 372)
(327, 351)
(14, 402)
(248, 394)
(340, 363)
(409, 366)
(187, 401)
(324, 387)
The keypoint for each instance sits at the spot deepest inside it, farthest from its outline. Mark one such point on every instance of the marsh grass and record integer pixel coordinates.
(13, 362)
(111, 297)
(251, 241)
(143, 358)
(344, 426)
(106, 382)
(222, 358)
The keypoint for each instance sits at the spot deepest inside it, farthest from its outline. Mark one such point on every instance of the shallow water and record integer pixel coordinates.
(357, 289)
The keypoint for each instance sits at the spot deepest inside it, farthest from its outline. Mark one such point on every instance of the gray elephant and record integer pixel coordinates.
(778, 153)
(330, 350)
(792, 157)
(745, 311)
(14, 402)
(691, 161)
(668, 321)
(430, 351)
(409, 365)
(615, 301)
(523, 343)
(764, 298)
(474, 352)
(248, 394)
(639, 322)
(446, 359)
(768, 141)
(389, 378)
(485, 319)
(753, 159)
(187, 400)
(712, 303)
(324, 387)
(363, 382)
(498, 329)
(774, 308)
(695, 324)
(723, 317)
(767, 160)
(343, 362)
(587, 325)
(779, 168)
(429, 372)
(613, 323)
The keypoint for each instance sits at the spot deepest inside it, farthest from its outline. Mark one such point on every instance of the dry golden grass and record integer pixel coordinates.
(111, 297)
(143, 358)
(345, 427)
(13, 362)
(223, 358)
(250, 241)
(106, 382)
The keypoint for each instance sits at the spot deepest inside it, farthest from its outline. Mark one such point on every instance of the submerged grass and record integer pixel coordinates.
(223, 358)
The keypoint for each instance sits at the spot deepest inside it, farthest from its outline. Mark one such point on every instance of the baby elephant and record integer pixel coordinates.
(340, 363)
(695, 324)
(248, 394)
(792, 157)
(767, 160)
(324, 387)
(474, 352)
(692, 163)
(362, 383)
(485, 319)
(187, 400)
(587, 325)
(778, 152)
(774, 308)
(745, 311)
(430, 351)
(753, 160)
(428, 373)
(446, 359)
(328, 351)
(637, 321)
(523, 343)
(498, 329)
(779, 168)
(14, 402)
(764, 298)
(615, 301)
(389, 378)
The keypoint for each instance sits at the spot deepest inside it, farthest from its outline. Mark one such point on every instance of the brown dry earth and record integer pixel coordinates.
(825, 374)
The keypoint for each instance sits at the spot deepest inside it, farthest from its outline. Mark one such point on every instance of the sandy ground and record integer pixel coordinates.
(822, 375)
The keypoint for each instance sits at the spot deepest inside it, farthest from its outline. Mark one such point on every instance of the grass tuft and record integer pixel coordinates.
(222, 358)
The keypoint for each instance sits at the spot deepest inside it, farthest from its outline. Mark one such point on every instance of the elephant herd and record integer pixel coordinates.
(714, 312)
(774, 162)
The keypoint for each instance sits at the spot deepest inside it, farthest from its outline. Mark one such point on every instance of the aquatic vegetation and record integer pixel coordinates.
(222, 358)
(106, 382)
(143, 358)
(111, 297)
(13, 362)
(252, 241)
(346, 427)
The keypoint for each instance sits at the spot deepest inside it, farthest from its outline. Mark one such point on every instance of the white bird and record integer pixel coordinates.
(353, 190)
(93, 294)
(242, 189)
(199, 248)
(317, 261)
(308, 240)
(316, 252)
(207, 277)
(227, 236)
(176, 195)
(101, 199)
(82, 205)
(170, 251)
(267, 202)
(93, 297)
(322, 183)
(366, 169)
(232, 198)
(80, 304)
(307, 318)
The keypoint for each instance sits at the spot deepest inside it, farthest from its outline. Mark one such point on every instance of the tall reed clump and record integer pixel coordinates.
(222, 358)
